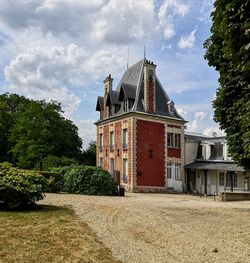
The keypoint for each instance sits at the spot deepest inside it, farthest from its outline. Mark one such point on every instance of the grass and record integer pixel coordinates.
(49, 234)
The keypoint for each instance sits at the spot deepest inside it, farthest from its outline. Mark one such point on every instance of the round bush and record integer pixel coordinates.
(88, 180)
(20, 188)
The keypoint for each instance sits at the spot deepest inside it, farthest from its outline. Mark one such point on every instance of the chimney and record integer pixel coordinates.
(149, 86)
(107, 87)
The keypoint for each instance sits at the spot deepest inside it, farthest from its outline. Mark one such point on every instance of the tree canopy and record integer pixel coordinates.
(228, 50)
(31, 130)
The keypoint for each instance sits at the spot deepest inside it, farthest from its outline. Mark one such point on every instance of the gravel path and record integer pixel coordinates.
(166, 228)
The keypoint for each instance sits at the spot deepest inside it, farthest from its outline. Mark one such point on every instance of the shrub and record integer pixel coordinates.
(20, 188)
(51, 162)
(55, 183)
(88, 180)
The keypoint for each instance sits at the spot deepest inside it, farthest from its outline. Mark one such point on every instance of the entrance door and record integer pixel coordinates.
(170, 175)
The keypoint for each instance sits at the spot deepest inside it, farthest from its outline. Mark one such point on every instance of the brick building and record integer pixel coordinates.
(140, 135)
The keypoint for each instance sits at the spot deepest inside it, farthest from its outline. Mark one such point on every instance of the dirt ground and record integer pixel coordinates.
(164, 227)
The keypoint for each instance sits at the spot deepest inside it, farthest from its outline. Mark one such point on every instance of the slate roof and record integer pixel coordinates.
(113, 98)
(131, 86)
(100, 103)
(127, 91)
(214, 165)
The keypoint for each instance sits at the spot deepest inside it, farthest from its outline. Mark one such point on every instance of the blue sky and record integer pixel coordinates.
(63, 49)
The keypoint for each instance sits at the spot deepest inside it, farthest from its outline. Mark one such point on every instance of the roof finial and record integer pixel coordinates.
(128, 59)
(144, 51)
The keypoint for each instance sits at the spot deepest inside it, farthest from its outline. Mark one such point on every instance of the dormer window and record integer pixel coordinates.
(125, 105)
(171, 107)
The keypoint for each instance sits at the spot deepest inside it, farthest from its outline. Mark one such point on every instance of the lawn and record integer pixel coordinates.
(49, 234)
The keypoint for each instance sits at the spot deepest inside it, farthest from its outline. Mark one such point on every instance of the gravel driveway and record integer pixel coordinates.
(165, 228)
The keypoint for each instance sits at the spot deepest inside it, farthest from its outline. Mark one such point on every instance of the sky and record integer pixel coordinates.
(63, 50)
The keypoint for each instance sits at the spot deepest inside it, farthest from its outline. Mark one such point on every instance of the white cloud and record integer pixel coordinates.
(48, 74)
(167, 12)
(193, 126)
(52, 73)
(200, 115)
(182, 112)
(124, 21)
(87, 130)
(215, 129)
(205, 10)
(58, 17)
(187, 41)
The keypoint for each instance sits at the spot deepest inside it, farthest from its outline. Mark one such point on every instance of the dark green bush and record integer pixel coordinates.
(20, 188)
(55, 184)
(88, 180)
(51, 162)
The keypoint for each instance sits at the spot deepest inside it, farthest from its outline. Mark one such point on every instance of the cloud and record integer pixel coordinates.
(167, 12)
(193, 126)
(48, 74)
(214, 129)
(187, 41)
(87, 130)
(200, 115)
(124, 21)
(71, 17)
(54, 73)
(182, 112)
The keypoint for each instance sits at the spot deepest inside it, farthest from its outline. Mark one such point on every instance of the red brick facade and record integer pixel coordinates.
(150, 153)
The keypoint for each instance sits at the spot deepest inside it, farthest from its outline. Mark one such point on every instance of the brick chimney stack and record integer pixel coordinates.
(149, 86)
(107, 87)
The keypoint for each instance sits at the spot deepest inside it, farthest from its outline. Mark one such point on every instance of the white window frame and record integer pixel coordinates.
(125, 170)
(178, 172)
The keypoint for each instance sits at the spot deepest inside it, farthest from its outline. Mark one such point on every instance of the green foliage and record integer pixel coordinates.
(89, 155)
(55, 181)
(88, 180)
(228, 50)
(31, 130)
(20, 188)
(51, 162)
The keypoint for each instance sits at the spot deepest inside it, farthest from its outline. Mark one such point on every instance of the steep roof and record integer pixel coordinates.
(113, 98)
(99, 103)
(131, 86)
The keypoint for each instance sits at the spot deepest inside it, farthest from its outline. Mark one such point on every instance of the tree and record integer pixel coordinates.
(37, 129)
(89, 155)
(228, 50)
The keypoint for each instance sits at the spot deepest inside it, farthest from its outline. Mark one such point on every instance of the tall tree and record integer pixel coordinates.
(36, 129)
(228, 50)
(89, 155)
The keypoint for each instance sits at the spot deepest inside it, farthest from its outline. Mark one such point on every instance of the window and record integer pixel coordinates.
(177, 140)
(112, 166)
(117, 107)
(178, 172)
(169, 170)
(112, 140)
(174, 140)
(170, 139)
(125, 105)
(125, 138)
(228, 179)
(101, 141)
(221, 178)
(101, 162)
(125, 170)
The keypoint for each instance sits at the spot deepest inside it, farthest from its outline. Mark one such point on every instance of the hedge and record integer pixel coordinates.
(20, 188)
(88, 180)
